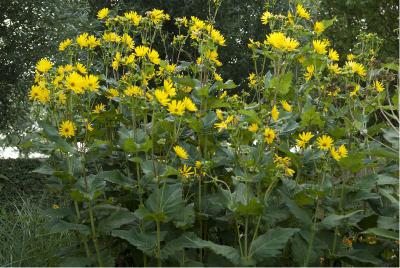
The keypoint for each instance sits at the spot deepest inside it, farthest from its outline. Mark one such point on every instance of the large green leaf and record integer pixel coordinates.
(163, 204)
(190, 240)
(310, 117)
(116, 220)
(271, 243)
(334, 220)
(301, 214)
(115, 176)
(145, 242)
(382, 233)
(282, 83)
(61, 226)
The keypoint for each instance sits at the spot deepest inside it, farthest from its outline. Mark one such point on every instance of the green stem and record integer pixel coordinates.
(94, 237)
(158, 244)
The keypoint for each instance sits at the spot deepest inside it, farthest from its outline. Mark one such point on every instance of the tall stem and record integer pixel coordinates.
(158, 244)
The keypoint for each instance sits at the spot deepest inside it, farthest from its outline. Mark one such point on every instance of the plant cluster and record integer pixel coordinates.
(164, 166)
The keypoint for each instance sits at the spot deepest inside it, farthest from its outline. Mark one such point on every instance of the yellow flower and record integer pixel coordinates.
(269, 135)
(219, 114)
(212, 55)
(378, 86)
(92, 82)
(141, 51)
(319, 46)
(162, 97)
(253, 127)
(169, 88)
(176, 107)
(325, 142)
(342, 151)
(82, 40)
(289, 172)
(180, 152)
(333, 55)
(356, 67)
(189, 105)
(89, 127)
(221, 125)
(127, 40)
(44, 65)
(111, 37)
(275, 113)
(223, 95)
(92, 41)
(290, 17)
(116, 61)
(154, 56)
(281, 161)
(198, 164)
(102, 13)
(334, 68)
(286, 106)
(133, 91)
(355, 91)
(319, 27)
(186, 171)
(157, 16)
(335, 154)
(35, 93)
(217, 77)
(133, 17)
(265, 17)
(170, 68)
(215, 35)
(112, 93)
(303, 139)
(67, 129)
(350, 57)
(55, 206)
(310, 72)
(75, 82)
(99, 108)
(281, 42)
(64, 44)
(81, 68)
(302, 12)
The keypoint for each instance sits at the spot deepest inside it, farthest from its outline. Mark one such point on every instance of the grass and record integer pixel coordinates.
(23, 237)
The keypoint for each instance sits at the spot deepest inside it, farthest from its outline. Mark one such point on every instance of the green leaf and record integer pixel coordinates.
(298, 212)
(282, 83)
(190, 240)
(334, 220)
(227, 85)
(359, 256)
(116, 220)
(328, 23)
(90, 187)
(310, 117)
(186, 218)
(187, 81)
(382, 233)
(271, 243)
(115, 176)
(61, 226)
(166, 202)
(145, 242)
(354, 162)
(251, 115)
